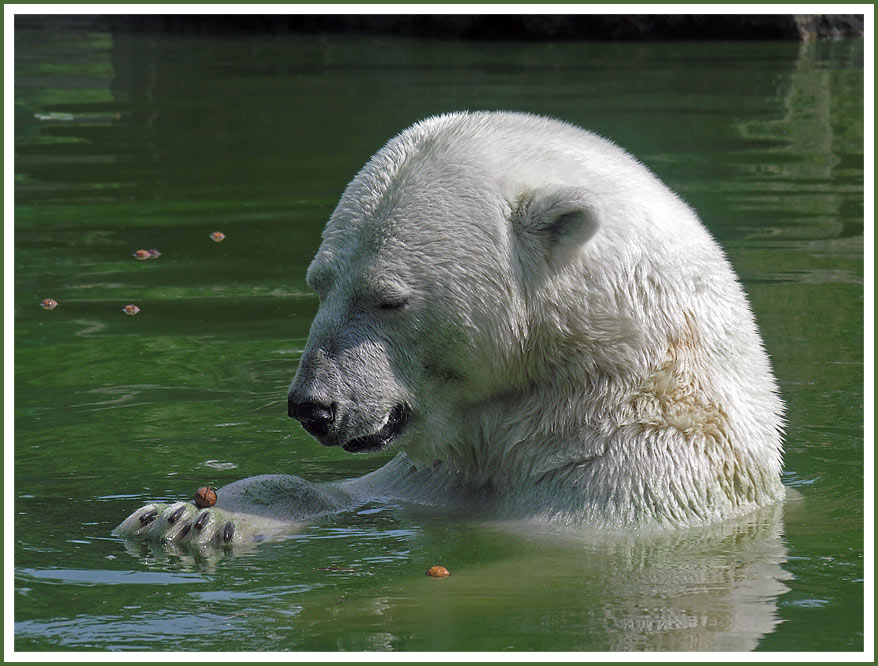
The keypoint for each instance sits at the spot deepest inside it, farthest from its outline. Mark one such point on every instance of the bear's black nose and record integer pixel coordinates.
(313, 417)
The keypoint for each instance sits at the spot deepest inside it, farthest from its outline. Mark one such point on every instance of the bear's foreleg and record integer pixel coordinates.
(248, 510)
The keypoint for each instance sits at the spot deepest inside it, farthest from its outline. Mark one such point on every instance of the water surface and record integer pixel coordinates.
(136, 141)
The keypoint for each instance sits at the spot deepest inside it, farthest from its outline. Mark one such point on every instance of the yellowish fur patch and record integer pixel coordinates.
(671, 396)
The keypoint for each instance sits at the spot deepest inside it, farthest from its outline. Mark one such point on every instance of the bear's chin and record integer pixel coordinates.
(396, 423)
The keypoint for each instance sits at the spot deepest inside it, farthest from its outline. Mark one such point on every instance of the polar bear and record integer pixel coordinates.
(538, 326)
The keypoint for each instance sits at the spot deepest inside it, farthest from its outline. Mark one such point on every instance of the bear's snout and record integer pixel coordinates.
(315, 418)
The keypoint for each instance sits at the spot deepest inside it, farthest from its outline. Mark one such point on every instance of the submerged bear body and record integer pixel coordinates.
(539, 327)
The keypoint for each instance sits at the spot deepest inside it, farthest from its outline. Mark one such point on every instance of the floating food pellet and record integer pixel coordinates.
(438, 572)
(48, 304)
(217, 236)
(141, 255)
(153, 253)
(205, 497)
(131, 309)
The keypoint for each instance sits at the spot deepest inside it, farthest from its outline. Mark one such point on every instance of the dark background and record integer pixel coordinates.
(493, 26)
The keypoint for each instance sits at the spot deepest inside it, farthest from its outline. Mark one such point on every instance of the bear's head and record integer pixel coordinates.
(423, 277)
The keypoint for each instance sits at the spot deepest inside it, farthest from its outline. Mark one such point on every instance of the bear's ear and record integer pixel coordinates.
(559, 221)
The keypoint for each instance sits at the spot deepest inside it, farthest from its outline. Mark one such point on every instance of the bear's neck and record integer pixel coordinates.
(653, 450)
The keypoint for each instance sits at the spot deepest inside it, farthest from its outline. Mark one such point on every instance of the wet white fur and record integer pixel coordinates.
(575, 345)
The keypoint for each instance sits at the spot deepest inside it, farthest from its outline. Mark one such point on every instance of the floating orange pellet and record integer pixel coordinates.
(217, 236)
(48, 304)
(140, 255)
(131, 309)
(205, 497)
(438, 572)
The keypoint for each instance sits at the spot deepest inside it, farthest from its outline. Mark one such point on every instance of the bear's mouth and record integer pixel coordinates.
(396, 422)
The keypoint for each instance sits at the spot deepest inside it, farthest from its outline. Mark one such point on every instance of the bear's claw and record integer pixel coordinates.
(148, 517)
(202, 519)
(174, 517)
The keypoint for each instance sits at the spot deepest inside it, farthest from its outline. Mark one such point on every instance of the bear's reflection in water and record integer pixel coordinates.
(711, 588)
(706, 589)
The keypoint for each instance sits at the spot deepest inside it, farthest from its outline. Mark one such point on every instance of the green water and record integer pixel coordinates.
(126, 142)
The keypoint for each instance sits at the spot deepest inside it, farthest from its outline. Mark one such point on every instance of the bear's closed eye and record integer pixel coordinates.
(393, 303)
